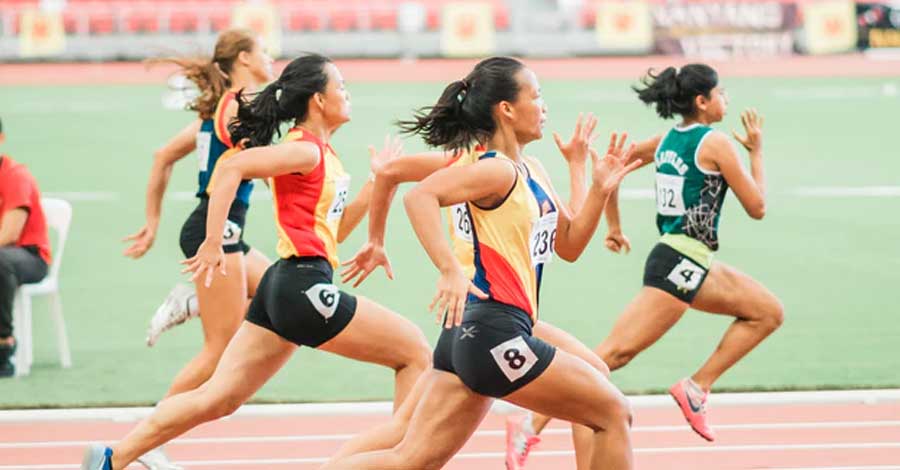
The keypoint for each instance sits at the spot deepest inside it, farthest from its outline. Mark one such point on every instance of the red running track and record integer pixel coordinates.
(807, 437)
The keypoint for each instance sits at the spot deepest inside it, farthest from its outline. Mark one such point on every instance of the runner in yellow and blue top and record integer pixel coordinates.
(487, 348)
(238, 62)
(521, 431)
(695, 166)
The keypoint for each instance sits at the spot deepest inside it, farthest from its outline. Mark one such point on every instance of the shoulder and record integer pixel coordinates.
(716, 142)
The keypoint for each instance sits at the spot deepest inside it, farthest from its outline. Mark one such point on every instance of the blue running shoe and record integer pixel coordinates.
(97, 457)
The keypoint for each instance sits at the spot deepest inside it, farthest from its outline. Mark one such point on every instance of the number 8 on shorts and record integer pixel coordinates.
(514, 357)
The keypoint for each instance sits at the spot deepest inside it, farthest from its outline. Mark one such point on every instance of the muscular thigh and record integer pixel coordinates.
(376, 334)
(569, 343)
(729, 291)
(222, 304)
(256, 263)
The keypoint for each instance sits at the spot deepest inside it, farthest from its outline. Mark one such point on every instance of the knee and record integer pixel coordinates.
(616, 356)
(218, 405)
(418, 355)
(774, 317)
(613, 414)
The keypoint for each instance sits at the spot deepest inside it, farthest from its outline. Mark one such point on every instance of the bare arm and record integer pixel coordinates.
(182, 144)
(574, 231)
(259, 162)
(576, 152)
(750, 188)
(485, 183)
(616, 241)
(387, 177)
(11, 226)
(354, 212)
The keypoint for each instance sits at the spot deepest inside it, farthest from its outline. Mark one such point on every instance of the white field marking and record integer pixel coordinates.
(258, 194)
(869, 397)
(820, 93)
(846, 191)
(500, 455)
(84, 195)
(262, 193)
(557, 431)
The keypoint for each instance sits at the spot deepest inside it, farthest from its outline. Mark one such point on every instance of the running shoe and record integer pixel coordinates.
(156, 459)
(520, 439)
(97, 457)
(174, 311)
(692, 401)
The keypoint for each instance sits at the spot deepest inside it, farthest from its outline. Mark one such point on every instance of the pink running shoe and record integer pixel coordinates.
(519, 442)
(692, 401)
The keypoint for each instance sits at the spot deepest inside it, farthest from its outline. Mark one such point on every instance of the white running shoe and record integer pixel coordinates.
(156, 459)
(174, 311)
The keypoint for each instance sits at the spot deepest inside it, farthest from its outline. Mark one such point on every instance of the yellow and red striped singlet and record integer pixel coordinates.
(458, 217)
(308, 208)
(514, 240)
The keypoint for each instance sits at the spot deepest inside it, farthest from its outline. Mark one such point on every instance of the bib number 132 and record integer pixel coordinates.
(669, 194)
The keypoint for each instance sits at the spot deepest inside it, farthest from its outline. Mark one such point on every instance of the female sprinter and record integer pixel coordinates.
(487, 350)
(238, 63)
(695, 166)
(520, 432)
(296, 303)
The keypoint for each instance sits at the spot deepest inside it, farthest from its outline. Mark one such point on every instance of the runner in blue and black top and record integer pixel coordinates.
(238, 63)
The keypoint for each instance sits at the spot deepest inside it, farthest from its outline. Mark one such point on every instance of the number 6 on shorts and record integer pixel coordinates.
(514, 357)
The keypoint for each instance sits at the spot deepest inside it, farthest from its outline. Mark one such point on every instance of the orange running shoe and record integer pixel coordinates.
(520, 439)
(692, 401)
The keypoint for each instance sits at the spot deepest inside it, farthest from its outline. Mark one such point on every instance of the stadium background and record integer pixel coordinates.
(824, 73)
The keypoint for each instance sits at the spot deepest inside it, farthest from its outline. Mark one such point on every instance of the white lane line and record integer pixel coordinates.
(500, 455)
(128, 414)
(483, 433)
(857, 467)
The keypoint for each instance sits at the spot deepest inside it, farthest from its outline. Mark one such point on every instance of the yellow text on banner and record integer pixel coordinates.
(468, 29)
(41, 33)
(624, 26)
(830, 26)
(263, 19)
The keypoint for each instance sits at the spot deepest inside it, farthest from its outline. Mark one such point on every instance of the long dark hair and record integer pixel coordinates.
(673, 91)
(285, 99)
(463, 114)
(211, 74)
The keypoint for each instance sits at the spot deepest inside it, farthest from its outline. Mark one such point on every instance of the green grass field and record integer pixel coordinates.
(832, 260)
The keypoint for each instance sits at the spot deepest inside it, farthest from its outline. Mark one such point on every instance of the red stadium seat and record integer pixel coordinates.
(141, 19)
(384, 18)
(343, 18)
(184, 18)
(101, 21)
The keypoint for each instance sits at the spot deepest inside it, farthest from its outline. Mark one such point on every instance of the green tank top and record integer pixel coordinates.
(688, 198)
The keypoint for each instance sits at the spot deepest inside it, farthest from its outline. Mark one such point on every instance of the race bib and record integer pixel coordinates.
(686, 275)
(543, 238)
(669, 194)
(232, 233)
(462, 225)
(341, 189)
(514, 358)
(204, 140)
(324, 298)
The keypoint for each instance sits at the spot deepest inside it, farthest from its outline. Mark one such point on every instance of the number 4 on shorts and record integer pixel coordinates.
(514, 357)
(686, 275)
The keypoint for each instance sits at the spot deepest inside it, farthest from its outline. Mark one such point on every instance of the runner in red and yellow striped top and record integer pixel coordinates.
(296, 303)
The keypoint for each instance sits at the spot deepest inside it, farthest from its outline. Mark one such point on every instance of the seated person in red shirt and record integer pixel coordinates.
(24, 245)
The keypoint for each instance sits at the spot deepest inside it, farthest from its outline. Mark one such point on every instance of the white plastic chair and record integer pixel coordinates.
(59, 216)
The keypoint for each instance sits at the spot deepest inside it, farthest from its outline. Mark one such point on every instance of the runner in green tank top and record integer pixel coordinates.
(695, 166)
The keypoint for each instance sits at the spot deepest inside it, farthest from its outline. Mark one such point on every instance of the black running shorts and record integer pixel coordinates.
(193, 232)
(297, 301)
(669, 270)
(493, 351)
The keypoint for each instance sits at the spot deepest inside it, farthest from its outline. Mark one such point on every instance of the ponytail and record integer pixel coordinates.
(674, 92)
(287, 99)
(463, 115)
(210, 75)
